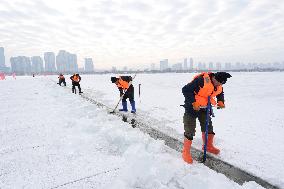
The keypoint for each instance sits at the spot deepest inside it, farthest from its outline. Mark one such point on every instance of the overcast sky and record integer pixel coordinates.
(140, 32)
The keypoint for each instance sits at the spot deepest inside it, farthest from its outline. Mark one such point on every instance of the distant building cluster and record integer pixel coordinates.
(63, 62)
(164, 64)
(89, 65)
(66, 62)
(188, 65)
(21, 65)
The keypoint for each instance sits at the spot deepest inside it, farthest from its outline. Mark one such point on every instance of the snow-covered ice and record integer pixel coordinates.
(52, 138)
(249, 131)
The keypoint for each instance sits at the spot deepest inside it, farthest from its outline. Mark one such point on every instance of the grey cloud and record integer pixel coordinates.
(34, 9)
(41, 7)
(13, 15)
(146, 28)
(17, 12)
(136, 6)
(106, 7)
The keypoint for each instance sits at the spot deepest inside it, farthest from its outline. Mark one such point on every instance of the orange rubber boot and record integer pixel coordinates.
(210, 147)
(186, 151)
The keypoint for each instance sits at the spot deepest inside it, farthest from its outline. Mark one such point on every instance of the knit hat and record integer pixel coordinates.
(222, 77)
(113, 79)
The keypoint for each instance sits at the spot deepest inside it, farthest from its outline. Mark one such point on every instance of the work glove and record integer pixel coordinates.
(196, 106)
(220, 105)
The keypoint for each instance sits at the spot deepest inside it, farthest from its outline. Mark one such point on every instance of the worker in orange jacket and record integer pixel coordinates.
(126, 90)
(76, 78)
(61, 79)
(196, 99)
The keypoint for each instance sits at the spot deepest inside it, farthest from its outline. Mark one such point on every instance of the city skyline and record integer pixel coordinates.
(138, 33)
(66, 62)
(63, 62)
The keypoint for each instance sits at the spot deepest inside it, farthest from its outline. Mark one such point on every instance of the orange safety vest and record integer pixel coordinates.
(75, 78)
(123, 84)
(207, 90)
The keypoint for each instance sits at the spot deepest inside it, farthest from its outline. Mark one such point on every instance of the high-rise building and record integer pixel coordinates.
(66, 62)
(14, 64)
(89, 65)
(2, 57)
(49, 59)
(61, 61)
(3, 67)
(72, 65)
(21, 65)
(164, 64)
(211, 67)
(177, 67)
(185, 64)
(191, 63)
(37, 64)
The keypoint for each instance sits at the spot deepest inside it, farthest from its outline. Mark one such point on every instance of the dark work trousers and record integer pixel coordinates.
(129, 94)
(189, 122)
(62, 81)
(76, 84)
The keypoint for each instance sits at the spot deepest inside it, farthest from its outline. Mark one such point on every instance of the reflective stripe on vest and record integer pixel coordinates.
(207, 90)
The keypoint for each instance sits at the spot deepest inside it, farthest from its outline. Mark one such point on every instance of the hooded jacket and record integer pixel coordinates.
(198, 90)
